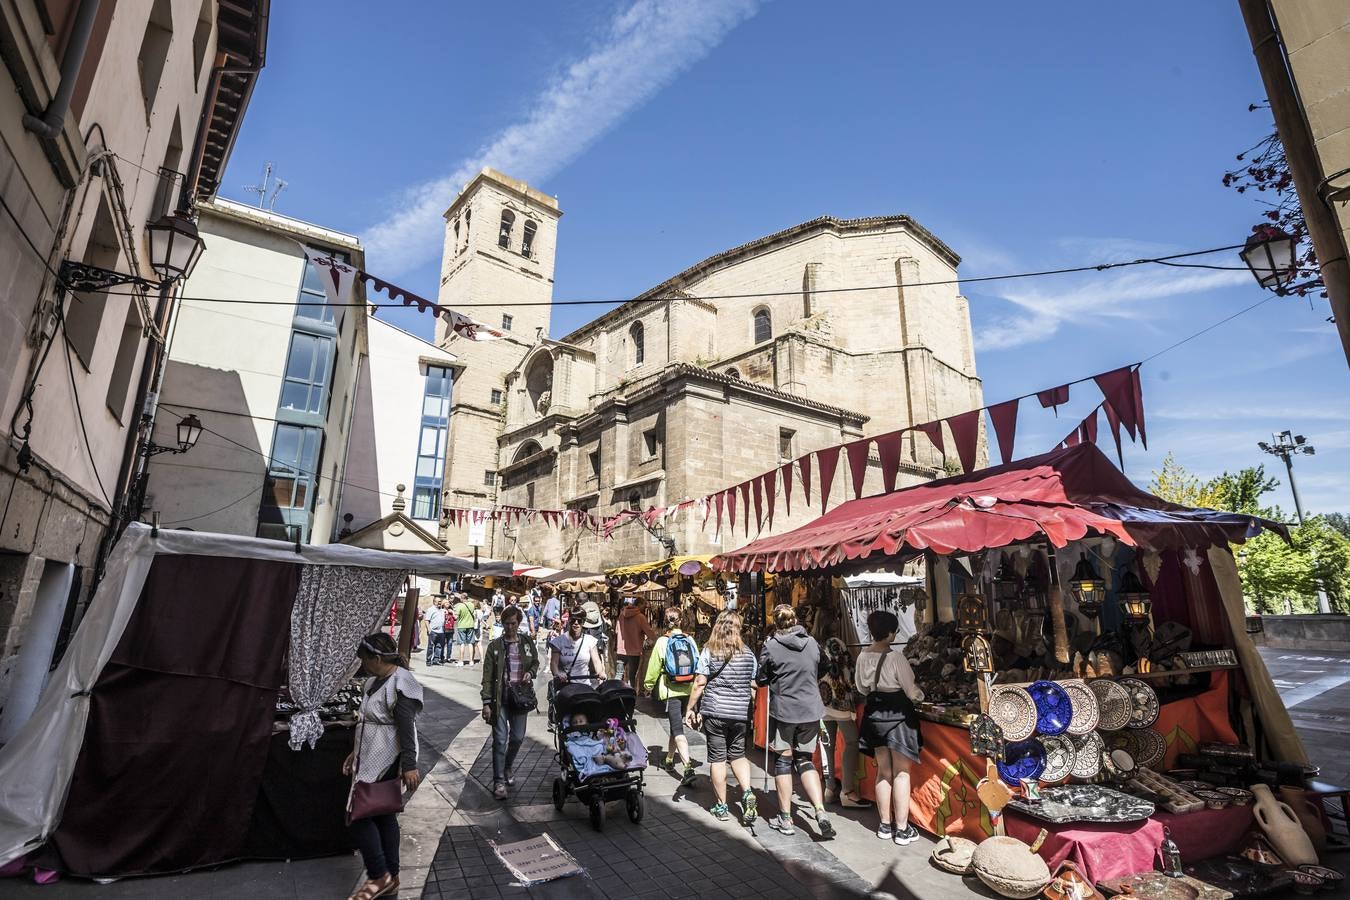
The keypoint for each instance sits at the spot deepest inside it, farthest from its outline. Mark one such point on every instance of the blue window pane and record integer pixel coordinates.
(424, 503)
(301, 364)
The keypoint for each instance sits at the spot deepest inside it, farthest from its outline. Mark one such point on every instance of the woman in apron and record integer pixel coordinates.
(386, 748)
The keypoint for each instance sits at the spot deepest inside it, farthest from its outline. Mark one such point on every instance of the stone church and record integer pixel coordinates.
(788, 343)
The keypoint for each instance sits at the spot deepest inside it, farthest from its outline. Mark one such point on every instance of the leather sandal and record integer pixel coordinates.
(372, 889)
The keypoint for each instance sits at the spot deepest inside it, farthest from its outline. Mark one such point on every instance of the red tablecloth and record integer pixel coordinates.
(1114, 851)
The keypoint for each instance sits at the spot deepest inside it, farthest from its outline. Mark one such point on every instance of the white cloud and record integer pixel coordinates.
(1123, 295)
(643, 49)
(1249, 412)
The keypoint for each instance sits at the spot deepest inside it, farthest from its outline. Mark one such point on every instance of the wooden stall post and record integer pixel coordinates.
(409, 624)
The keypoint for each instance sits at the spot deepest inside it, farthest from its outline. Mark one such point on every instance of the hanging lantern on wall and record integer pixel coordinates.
(971, 614)
(1135, 603)
(1088, 589)
(979, 656)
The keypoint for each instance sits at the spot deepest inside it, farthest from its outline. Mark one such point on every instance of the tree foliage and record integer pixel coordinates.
(1276, 576)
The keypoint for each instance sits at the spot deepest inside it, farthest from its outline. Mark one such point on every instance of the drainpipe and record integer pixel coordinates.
(52, 122)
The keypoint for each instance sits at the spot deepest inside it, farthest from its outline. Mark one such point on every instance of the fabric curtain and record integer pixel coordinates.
(1280, 735)
(335, 607)
(180, 719)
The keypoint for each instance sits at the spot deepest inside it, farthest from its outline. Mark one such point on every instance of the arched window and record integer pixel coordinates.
(456, 234)
(734, 372)
(527, 449)
(763, 325)
(527, 238)
(508, 221)
(639, 347)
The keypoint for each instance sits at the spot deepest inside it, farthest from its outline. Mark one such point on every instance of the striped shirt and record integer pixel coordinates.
(730, 684)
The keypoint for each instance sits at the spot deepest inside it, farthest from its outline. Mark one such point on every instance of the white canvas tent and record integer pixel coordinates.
(36, 766)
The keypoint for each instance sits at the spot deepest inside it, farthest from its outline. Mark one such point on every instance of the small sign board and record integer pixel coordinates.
(536, 860)
(478, 527)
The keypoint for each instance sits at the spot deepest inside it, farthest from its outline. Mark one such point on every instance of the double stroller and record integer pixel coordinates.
(600, 757)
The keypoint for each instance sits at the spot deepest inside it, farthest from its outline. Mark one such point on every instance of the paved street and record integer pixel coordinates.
(679, 850)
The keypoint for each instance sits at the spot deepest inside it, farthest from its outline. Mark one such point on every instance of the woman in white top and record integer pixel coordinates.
(575, 656)
(890, 728)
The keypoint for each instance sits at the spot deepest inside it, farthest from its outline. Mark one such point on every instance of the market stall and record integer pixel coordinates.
(1082, 651)
(199, 712)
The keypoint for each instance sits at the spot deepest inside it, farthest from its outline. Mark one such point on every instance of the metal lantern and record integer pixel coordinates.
(1269, 253)
(1135, 603)
(979, 656)
(971, 614)
(189, 430)
(175, 246)
(1088, 588)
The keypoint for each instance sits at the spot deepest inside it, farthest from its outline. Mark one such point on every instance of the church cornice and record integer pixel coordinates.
(677, 285)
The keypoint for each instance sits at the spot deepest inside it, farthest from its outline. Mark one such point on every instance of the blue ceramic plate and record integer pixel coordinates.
(1024, 759)
(1054, 710)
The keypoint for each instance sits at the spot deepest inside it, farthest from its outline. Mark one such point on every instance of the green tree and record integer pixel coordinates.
(1275, 574)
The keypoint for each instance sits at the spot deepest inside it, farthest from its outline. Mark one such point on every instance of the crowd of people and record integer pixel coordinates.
(813, 695)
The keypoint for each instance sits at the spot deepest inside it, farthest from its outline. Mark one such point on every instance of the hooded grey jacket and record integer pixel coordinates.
(790, 664)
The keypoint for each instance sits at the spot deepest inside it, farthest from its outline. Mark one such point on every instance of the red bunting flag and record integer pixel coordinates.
(1123, 391)
(758, 488)
(1113, 421)
(966, 433)
(888, 448)
(1088, 428)
(770, 479)
(805, 464)
(934, 432)
(1056, 397)
(857, 463)
(731, 510)
(1004, 418)
(828, 461)
(745, 505)
(787, 486)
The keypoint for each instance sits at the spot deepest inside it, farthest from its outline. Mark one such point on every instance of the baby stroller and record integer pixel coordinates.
(593, 784)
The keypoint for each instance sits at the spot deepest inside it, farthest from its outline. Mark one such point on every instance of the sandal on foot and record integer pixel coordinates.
(374, 888)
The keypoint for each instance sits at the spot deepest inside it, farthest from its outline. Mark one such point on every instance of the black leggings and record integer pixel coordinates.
(377, 839)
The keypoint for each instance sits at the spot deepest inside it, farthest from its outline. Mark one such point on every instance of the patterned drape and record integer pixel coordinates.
(335, 607)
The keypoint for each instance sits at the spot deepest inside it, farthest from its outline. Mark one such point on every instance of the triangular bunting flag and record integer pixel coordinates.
(758, 488)
(719, 500)
(1074, 437)
(1056, 397)
(805, 464)
(787, 486)
(1004, 418)
(966, 434)
(1114, 422)
(770, 479)
(888, 448)
(934, 432)
(1138, 386)
(731, 510)
(857, 463)
(745, 504)
(1089, 428)
(828, 461)
(1117, 387)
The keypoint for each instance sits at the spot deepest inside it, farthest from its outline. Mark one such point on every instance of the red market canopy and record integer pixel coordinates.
(1061, 496)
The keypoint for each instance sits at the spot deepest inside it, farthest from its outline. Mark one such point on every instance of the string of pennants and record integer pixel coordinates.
(1122, 404)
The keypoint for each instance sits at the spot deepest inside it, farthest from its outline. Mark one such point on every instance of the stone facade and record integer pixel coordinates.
(793, 342)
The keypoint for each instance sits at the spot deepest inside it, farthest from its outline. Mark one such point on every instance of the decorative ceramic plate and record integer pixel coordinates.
(1085, 712)
(1087, 755)
(1143, 702)
(1113, 704)
(1058, 758)
(1149, 747)
(1024, 759)
(1014, 711)
(1084, 803)
(1054, 710)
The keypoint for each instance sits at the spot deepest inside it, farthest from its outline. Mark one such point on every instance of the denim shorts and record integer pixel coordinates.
(464, 636)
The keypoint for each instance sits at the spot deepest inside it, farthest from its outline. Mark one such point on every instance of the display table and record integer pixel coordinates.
(1102, 852)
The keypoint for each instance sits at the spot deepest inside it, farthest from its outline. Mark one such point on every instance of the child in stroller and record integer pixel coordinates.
(600, 756)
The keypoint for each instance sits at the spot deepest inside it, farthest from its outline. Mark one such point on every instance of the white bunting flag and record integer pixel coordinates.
(468, 329)
(337, 276)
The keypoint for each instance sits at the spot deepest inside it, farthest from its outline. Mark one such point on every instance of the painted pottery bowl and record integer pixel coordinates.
(1143, 702)
(1054, 710)
(1213, 799)
(1113, 704)
(1306, 883)
(1326, 873)
(1087, 755)
(1237, 796)
(1023, 759)
(1058, 757)
(1150, 748)
(1014, 711)
(1084, 703)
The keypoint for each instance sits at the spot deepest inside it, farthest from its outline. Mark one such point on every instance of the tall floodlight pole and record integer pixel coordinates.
(1286, 445)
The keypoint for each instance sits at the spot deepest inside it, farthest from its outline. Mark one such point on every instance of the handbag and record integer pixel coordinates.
(372, 798)
(520, 696)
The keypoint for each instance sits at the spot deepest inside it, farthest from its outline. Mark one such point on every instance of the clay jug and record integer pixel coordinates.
(1282, 827)
(1297, 799)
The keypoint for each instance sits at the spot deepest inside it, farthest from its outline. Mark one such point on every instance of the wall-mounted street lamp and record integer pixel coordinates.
(175, 247)
(189, 430)
(1269, 253)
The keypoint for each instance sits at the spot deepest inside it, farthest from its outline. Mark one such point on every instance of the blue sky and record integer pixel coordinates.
(669, 131)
